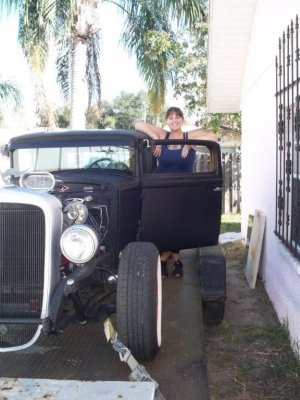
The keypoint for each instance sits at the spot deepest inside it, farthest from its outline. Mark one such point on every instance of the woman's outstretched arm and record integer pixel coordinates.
(200, 134)
(153, 131)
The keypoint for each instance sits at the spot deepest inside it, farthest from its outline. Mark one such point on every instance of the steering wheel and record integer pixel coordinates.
(109, 164)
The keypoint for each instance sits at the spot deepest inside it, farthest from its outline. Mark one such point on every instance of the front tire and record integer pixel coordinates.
(139, 295)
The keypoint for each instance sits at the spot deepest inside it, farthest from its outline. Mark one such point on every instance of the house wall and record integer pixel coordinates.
(278, 268)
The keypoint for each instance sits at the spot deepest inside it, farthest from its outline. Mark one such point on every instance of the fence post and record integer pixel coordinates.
(224, 183)
(230, 169)
(238, 182)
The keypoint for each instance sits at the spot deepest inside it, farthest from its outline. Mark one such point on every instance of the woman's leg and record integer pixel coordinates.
(175, 257)
(164, 256)
(178, 267)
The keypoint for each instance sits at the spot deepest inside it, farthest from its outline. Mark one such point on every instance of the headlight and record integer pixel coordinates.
(76, 211)
(79, 243)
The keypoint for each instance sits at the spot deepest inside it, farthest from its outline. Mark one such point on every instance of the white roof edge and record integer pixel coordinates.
(230, 26)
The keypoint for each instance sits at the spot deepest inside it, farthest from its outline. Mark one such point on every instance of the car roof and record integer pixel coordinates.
(80, 137)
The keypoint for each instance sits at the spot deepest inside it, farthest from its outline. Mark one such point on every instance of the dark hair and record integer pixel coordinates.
(175, 110)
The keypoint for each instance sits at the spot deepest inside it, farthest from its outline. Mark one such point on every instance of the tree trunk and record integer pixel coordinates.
(79, 85)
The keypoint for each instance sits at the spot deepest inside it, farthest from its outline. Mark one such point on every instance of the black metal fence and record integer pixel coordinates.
(231, 166)
(231, 199)
(287, 64)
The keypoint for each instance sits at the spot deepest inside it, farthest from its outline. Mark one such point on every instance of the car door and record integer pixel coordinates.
(183, 210)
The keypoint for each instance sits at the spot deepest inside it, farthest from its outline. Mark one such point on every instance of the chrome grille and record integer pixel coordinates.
(22, 253)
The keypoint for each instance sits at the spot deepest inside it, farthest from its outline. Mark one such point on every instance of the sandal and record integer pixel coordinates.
(164, 269)
(178, 270)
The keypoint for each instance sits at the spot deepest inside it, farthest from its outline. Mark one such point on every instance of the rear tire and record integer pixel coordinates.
(139, 299)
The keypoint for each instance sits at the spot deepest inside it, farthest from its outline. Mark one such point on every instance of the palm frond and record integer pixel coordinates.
(65, 10)
(63, 65)
(149, 35)
(10, 92)
(7, 6)
(35, 31)
(156, 18)
(186, 12)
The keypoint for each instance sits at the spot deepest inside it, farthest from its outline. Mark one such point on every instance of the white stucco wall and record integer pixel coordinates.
(259, 155)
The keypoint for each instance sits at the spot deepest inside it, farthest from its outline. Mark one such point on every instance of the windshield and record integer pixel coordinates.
(64, 158)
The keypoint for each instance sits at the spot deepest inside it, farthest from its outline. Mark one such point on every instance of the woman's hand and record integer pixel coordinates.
(185, 151)
(157, 150)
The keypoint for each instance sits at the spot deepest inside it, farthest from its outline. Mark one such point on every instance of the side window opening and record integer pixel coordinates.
(205, 160)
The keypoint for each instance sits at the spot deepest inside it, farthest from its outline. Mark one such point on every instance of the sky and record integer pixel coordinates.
(118, 69)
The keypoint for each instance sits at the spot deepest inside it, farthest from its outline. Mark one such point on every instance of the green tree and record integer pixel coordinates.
(121, 113)
(74, 25)
(62, 117)
(107, 116)
(100, 118)
(129, 108)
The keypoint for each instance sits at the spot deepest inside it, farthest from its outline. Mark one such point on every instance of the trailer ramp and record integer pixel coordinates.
(82, 353)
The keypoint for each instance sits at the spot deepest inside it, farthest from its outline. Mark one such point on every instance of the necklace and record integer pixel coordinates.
(175, 146)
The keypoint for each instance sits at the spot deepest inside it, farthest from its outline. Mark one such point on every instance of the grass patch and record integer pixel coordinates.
(270, 358)
(230, 223)
(275, 341)
(259, 362)
(251, 359)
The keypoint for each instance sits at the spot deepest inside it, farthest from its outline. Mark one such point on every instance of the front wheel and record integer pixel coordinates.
(139, 299)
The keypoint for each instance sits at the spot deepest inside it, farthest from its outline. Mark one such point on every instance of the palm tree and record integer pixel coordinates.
(74, 25)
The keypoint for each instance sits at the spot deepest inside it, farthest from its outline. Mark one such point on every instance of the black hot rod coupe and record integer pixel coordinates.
(82, 222)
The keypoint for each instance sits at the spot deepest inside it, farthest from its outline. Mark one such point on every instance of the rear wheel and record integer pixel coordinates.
(139, 295)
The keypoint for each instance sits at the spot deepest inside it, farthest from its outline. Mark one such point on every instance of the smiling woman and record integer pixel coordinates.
(172, 159)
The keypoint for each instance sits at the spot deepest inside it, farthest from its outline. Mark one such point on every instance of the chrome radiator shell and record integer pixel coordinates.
(30, 230)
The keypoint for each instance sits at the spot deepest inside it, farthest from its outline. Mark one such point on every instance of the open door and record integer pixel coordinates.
(183, 210)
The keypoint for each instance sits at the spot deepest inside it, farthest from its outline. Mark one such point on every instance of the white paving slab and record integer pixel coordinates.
(38, 389)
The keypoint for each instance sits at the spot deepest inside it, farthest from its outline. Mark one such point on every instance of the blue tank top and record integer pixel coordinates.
(171, 160)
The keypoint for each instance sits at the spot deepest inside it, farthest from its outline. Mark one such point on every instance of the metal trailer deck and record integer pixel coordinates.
(82, 354)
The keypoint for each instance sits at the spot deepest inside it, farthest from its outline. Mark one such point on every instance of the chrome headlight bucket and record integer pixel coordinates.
(79, 243)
